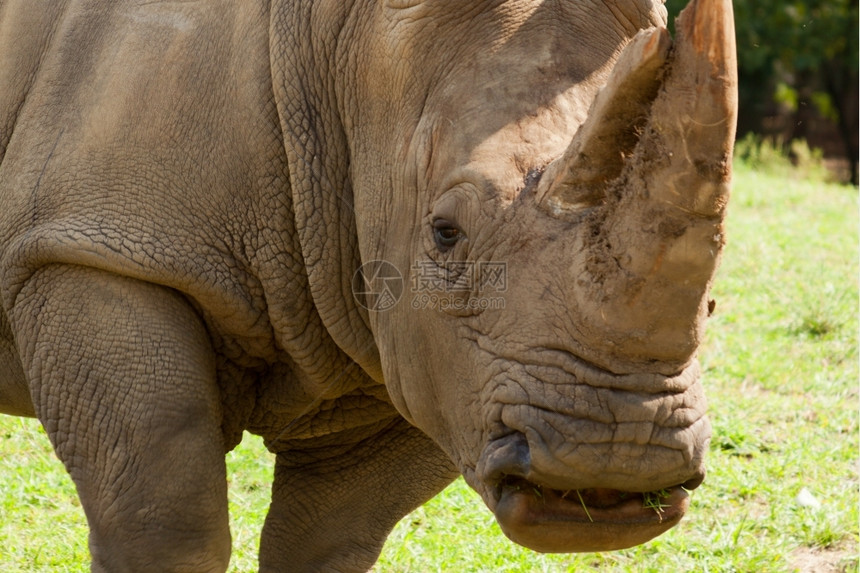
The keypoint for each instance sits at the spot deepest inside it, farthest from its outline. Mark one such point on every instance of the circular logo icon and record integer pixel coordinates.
(377, 286)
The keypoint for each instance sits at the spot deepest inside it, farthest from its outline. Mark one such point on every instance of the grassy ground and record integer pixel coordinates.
(781, 369)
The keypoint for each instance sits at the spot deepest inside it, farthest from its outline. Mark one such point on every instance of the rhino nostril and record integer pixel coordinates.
(508, 455)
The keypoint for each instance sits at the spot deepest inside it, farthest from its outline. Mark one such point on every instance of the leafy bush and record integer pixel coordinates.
(774, 157)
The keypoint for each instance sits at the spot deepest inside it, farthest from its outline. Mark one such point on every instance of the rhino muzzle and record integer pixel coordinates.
(562, 481)
(576, 518)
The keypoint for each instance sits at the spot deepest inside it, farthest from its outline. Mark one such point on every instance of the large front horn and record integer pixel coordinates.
(662, 189)
(694, 118)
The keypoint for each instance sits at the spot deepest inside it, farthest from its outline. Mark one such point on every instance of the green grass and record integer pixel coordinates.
(781, 368)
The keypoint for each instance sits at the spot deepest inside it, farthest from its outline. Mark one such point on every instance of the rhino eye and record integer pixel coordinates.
(446, 234)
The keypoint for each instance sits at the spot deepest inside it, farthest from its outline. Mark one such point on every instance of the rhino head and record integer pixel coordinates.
(551, 179)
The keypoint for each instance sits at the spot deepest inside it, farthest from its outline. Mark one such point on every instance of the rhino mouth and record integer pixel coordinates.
(554, 521)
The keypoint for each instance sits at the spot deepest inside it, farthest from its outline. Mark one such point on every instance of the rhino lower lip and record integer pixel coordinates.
(554, 521)
(595, 504)
(551, 521)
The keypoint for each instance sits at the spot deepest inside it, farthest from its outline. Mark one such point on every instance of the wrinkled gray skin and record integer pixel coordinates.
(187, 190)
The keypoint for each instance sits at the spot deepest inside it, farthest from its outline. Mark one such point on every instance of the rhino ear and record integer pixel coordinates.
(616, 118)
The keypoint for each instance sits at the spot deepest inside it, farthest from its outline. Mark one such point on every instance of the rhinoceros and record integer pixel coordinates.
(401, 240)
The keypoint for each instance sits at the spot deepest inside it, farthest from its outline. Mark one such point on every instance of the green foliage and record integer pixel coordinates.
(774, 157)
(800, 35)
(789, 37)
(761, 154)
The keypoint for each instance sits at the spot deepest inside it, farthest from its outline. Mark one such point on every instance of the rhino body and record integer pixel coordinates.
(196, 200)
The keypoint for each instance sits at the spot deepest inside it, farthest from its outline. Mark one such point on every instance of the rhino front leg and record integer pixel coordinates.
(334, 513)
(14, 393)
(122, 377)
